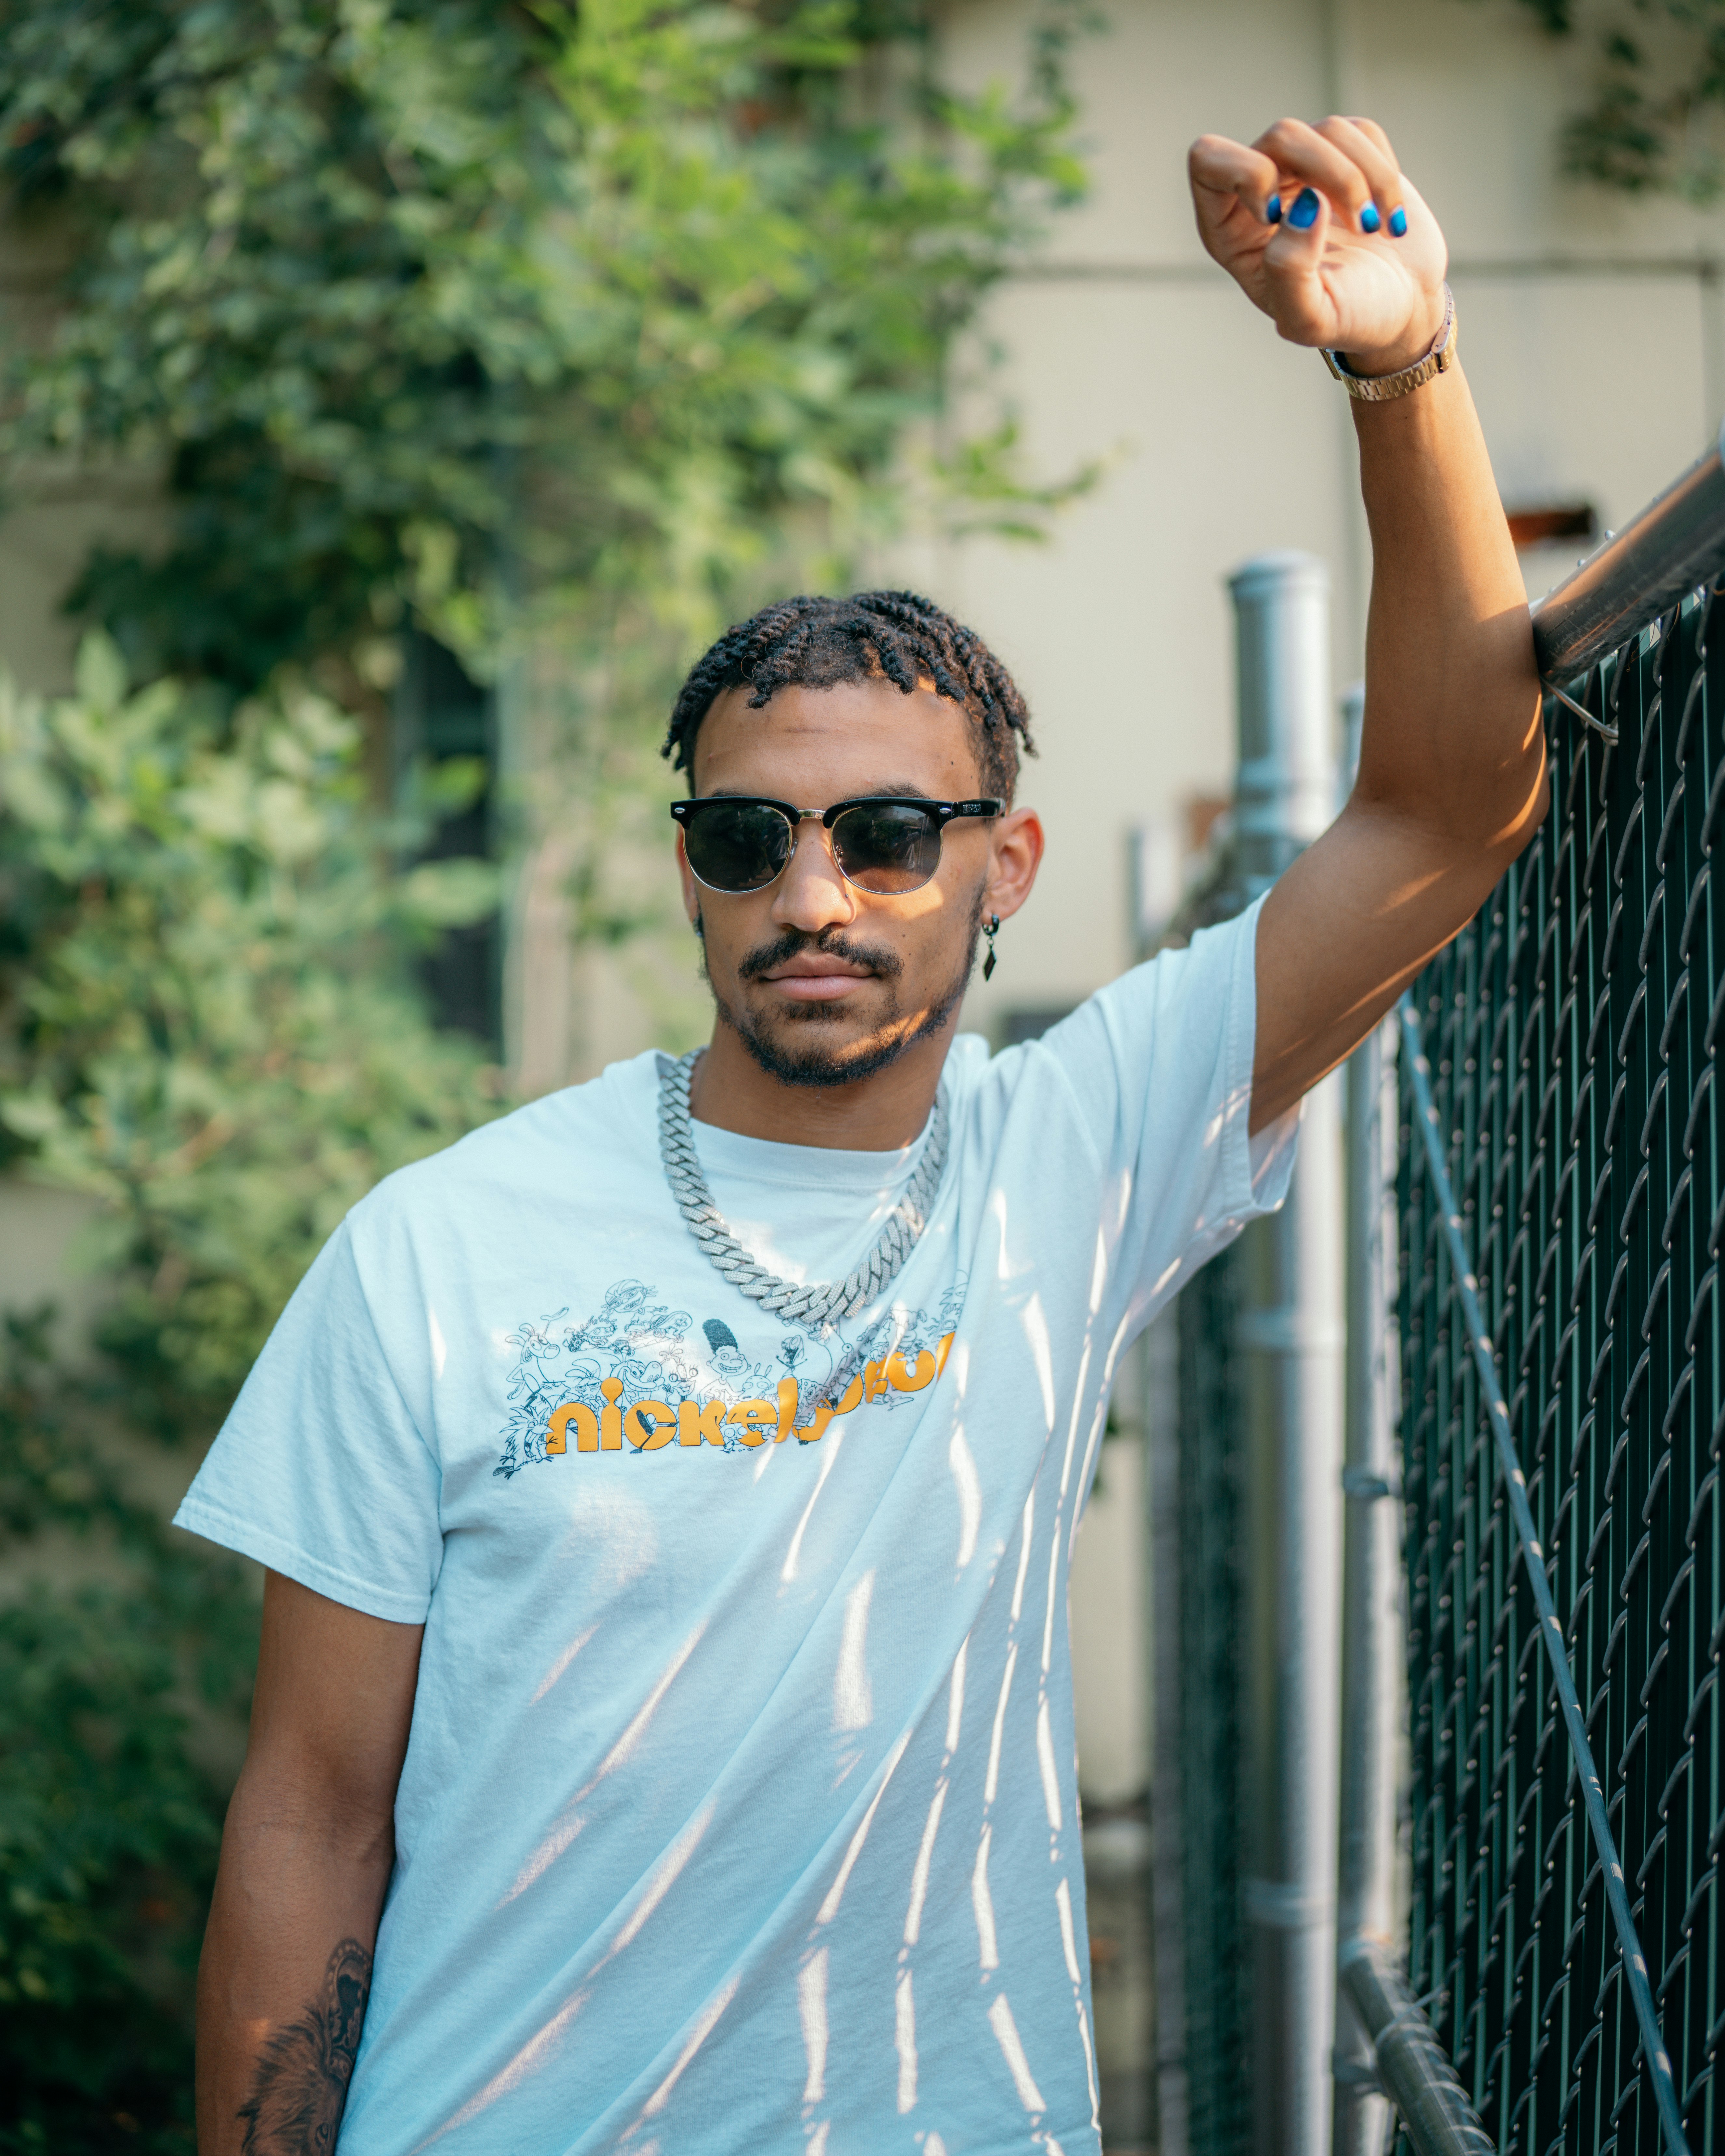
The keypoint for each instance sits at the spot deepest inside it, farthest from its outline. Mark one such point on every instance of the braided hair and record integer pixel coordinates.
(892, 636)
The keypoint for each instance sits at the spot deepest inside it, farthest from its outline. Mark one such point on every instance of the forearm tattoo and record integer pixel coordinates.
(301, 2083)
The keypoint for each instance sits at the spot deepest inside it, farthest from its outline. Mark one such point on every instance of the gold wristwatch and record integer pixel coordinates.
(1380, 388)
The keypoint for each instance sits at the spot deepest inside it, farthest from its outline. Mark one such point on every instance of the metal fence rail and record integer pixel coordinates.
(1574, 1033)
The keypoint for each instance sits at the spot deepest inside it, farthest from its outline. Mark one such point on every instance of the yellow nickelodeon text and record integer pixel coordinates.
(648, 1425)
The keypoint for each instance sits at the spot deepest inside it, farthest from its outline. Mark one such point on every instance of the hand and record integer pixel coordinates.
(1284, 219)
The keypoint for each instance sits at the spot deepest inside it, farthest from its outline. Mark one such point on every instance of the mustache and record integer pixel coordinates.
(881, 959)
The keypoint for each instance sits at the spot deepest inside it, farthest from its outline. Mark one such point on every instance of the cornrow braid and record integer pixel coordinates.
(893, 636)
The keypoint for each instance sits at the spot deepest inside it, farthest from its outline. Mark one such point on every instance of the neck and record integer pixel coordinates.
(881, 1113)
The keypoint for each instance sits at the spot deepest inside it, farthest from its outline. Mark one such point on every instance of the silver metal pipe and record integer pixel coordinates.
(1412, 2068)
(1291, 1344)
(1677, 543)
(1371, 1676)
(1373, 1712)
(1284, 790)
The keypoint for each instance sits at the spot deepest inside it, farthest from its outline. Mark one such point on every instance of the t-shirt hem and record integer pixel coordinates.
(200, 1517)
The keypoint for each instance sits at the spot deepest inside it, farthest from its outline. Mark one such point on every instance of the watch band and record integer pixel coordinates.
(1380, 388)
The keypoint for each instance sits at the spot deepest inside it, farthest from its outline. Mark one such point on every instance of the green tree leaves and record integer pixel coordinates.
(210, 1022)
(558, 332)
(1657, 123)
(578, 306)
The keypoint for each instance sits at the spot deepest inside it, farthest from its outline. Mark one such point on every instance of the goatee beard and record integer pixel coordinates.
(816, 1063)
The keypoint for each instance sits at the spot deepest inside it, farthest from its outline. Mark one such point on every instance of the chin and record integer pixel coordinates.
(821, 1046)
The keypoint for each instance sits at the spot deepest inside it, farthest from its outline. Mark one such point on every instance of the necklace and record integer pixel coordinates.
(817, 1303)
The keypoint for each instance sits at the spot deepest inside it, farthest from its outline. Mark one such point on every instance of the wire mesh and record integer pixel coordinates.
(1573, 1032)
(1212, 1618)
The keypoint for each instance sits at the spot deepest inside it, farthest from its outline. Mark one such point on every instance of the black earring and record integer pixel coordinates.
(989, 932)
(699, 925)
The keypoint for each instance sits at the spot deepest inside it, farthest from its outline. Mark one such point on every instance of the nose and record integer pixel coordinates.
(811, 893)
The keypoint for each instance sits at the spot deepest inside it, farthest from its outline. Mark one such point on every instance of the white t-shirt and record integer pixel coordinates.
(739, 1813)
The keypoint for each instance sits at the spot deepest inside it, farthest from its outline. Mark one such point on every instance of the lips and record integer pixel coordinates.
(805, 968)
(813, 976)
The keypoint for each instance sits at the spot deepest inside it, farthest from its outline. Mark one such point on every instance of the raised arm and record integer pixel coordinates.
(305, 1857)
(1452, 783)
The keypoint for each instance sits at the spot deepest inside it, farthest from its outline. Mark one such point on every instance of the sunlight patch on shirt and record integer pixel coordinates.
(1092, 1446)
(955, 1697)
(664, 1878)
(1090, 2060)
(526, 2061)
(834, 1439)
(562, 1662)
(853, 1696)
(1046, 1759)
(993, 1781)
(970, 1495)
(924, 1858)
(1028, 1528)
(812, 2012)
(1099, 1273)
(1035, 1320)
(1078, 1393)
(835, 1893)
(1048, 1615)
(569, 1825)
(1006, 2034)
(704, 2028)
(1063, 1902)
(1004, 1266)
(982, 1904)
(904, 2038)
(439, 1346)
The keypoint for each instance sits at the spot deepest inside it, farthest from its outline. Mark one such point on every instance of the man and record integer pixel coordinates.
(668, 1491)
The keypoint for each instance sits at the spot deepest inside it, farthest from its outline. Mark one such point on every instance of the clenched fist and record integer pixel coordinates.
(1320, 229)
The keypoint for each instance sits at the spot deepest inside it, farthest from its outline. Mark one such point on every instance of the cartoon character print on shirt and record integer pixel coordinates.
(640, 1376)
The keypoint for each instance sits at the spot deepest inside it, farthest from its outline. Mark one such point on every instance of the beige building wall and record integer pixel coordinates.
(1592, 329)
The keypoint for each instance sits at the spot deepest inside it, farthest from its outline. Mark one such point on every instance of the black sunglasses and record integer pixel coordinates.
(884, 843)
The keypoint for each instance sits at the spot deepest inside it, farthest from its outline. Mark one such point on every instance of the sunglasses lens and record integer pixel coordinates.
(736, 846)
(887, 846)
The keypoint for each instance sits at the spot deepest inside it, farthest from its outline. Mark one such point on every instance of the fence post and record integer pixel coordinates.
(1290, 1344)
(1371, 1648)
(1371, 1579)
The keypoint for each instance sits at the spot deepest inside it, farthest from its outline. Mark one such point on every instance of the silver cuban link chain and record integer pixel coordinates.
(816, 1302)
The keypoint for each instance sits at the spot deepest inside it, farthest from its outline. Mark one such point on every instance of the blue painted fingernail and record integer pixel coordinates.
(1369, 219)
(1272, 210)
(1304, 213)
(1397, 221)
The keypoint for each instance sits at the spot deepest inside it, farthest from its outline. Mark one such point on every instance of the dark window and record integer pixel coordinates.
(440, 713)
(1019, 1026)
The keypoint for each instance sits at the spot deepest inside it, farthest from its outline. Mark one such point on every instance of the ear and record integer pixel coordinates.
(1015, 847)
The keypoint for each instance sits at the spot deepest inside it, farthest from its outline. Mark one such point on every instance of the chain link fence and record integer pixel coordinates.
(1573, 1034)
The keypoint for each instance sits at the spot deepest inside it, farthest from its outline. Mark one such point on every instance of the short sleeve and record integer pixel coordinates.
(1159, 1065)
(320, 1472)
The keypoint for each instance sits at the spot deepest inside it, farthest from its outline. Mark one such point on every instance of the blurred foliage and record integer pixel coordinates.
(603, 312)
(206, 1019)
(208, 1023)
(563, 334)
(1656, 120)
(109, 1811)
